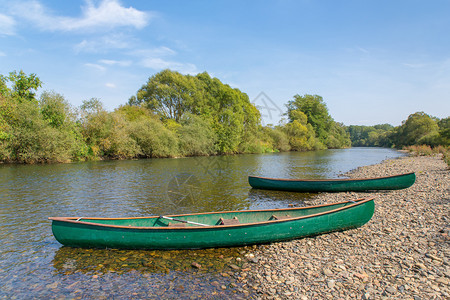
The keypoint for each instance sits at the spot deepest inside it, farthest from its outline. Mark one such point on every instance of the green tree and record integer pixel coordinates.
(234, 119)
(277, 137)
(370, 136)
(149, 133)
(338, 137)
(329, 133)
(32, 139)
(444, 131)
(168, 93)
(418, 129)
(23, 85)
(6, 111)
(106, 133)
(55, 109)
(59, 114)
(301, 135)
(316, 112)
(196, 136)
(228, 111)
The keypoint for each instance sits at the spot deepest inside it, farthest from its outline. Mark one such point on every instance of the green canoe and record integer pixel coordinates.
(396, 182)
(213, 229)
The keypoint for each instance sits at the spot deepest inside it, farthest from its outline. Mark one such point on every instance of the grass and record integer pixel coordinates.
(425, 150)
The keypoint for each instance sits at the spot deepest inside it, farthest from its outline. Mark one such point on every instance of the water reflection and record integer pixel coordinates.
(69, 260)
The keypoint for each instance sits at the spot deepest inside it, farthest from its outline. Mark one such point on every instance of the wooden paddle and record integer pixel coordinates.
(183, 221)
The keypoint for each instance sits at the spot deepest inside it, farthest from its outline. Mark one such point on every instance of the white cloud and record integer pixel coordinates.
(115, 41)
(159, 51)
(108, 14)
(7, 25)
(415, 66)
(110, 85)
(155, 58)
(160, 64)
(121, 63)
(2, 53)
(363, 50)
(95, 66)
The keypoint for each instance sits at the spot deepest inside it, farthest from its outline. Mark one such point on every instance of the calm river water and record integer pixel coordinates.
(34, 265)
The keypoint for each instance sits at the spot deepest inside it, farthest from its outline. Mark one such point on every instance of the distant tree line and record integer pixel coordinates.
(418, 129)
(175, 115)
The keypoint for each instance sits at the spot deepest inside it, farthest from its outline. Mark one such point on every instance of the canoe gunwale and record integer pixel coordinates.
(351, 203)
(332, 179)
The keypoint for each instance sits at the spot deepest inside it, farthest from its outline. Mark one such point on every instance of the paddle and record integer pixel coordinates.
(182, 221)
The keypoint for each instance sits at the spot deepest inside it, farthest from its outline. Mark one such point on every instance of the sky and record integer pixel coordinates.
(373, 61)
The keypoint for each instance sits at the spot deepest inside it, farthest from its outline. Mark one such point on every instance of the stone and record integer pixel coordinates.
(331, 284)
(327, 272)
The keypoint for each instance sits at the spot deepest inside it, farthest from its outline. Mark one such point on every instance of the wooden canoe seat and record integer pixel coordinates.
(176, 225)
(274, 217)
(233, 221)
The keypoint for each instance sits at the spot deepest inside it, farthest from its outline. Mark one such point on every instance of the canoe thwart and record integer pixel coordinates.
(176, 225)
(274, 217)
(232, 221)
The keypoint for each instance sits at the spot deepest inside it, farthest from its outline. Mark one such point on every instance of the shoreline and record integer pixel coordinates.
(401, 253)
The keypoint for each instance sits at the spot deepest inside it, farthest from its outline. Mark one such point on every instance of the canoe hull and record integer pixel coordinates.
(83, 234)
(334, 185)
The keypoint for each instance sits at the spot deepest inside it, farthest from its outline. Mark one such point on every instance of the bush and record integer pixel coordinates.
(32, 139)
(422, 150)
(196, 136)
(153, 139)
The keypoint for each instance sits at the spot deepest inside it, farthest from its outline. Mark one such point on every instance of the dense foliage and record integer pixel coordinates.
(179, 115)
(218, 107)
(309, 116)
(418, 129)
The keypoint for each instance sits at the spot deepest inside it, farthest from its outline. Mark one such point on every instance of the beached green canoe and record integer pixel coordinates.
(215, 229)
(396, 182)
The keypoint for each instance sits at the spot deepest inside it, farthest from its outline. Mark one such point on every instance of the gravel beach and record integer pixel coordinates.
(402, 253)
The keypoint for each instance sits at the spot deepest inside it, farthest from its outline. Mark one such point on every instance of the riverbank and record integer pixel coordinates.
(402, 253)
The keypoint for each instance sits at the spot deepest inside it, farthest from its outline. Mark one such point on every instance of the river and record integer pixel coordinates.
(34, 265)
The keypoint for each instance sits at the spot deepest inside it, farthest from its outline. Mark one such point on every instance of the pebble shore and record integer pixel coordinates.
(401, 253)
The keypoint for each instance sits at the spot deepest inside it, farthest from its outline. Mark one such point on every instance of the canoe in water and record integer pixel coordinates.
(212, 229)
(396, 182)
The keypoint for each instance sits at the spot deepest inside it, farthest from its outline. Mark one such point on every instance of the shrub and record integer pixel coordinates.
(196, 136)
(153, 139)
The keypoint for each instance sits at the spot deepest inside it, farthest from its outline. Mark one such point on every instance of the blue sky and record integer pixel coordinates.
(373, 62)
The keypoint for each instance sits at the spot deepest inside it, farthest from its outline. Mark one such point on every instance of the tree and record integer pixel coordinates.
(301, 134)
(279, 139)
(228, 111)
(196, 136)
(316, 112)
(55, 109)
(106, 133)
(338, 137)
(234, 119)
(370, 136)
(168, 93)
(418, 129)
(59, 114)
(444, 131)
(328, 133)
(23, 86)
